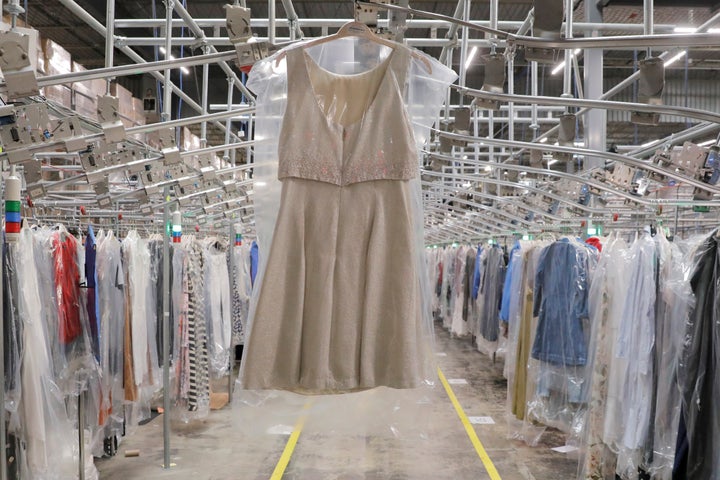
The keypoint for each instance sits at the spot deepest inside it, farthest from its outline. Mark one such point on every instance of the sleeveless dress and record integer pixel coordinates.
(339, 307)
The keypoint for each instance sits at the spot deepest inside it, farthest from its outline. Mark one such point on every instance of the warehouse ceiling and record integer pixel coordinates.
(464, 191)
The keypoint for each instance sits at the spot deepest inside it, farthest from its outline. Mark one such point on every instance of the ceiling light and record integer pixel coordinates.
(162, 50)
(185, 70)
(488, 168)
(552, 162)
(675, 58)
(561, 65)
(693, 30)
(543, 140)
(470, 57)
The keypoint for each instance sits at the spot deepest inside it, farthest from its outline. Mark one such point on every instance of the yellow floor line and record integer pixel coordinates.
(290, 446)
(492, 471)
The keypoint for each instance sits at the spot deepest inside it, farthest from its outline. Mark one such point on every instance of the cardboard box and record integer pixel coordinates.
(57, 59)
(60, 94)
(96, 87)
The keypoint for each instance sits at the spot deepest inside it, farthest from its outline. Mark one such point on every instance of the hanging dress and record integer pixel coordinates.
(339, 306)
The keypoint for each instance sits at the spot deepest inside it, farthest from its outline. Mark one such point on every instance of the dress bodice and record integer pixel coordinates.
(374, 141)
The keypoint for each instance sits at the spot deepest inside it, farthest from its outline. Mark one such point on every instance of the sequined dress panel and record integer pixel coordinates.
(339, 305)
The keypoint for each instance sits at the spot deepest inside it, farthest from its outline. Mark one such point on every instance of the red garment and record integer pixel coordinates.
(67, 286)
(595, 242)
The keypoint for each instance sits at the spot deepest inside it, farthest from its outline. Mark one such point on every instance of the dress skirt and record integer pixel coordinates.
(339, 306)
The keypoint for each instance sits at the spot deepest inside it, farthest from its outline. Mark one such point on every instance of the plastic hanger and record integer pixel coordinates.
(359, 30)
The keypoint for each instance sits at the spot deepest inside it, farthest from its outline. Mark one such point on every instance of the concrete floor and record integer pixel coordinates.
(380, 434)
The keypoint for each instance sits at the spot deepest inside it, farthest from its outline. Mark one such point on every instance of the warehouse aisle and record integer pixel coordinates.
(379, 434)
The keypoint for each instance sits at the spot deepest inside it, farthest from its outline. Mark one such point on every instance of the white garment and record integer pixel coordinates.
(218, 309)
(137, 256)
(111, 284)
(48, 432)
(458, 325)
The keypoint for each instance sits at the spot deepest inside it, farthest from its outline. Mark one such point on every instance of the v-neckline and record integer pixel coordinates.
(309, 62)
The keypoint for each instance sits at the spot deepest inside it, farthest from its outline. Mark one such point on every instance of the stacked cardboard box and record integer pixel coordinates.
(57, 61)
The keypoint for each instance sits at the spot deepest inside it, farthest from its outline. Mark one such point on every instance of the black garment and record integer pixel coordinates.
(698, 372)
(12, 339)
(491, 285)
(156, 294)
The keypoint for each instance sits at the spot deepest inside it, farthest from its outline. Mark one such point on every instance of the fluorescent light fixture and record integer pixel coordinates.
(558, 68)
(561, 65)
(552, 162)
(471, 57)
(185, 70)
(675, 58)
(693, 30)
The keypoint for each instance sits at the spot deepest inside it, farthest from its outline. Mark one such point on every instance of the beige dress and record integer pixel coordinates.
(339, 306)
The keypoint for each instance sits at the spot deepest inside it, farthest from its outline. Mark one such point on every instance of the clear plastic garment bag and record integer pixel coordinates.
(339, 216)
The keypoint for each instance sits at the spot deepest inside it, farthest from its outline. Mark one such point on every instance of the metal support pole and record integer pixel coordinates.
(293, 20)
(205, 87)
(109, 39)
(648, 21)
(464, 47)
(493, 21)
(166, 334)
(166, 116)
(534, 126)
(567, 71)
(595, 119)
(511, 105)
(271, 21)
(452, 31)
(228, 122)
(232, 247)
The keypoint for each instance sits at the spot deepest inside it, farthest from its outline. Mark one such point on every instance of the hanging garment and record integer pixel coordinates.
(606, 300)
(12, 329)
(491, 286)
(698, 447)
(110, 286)
(560, 303)
(217, 308)
(339, 306)
(47, 431)
(469, 313)
(67, 286)
(241, 290)
(91, 290)
(506, 298)
(559, 351)
(198, 375)
(636, 341)
(459, 324)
